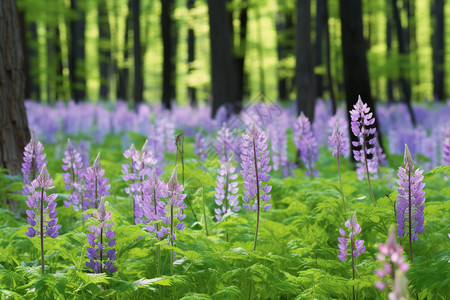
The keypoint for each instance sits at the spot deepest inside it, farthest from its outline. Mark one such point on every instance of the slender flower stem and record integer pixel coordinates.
(409, 211)
(257, 194)
(101, 251)
(42, 230)
(171, 239)
(340, 180)
(158, 247)
(367, 171)
(225, 199)
(353, 267)
(204, 213)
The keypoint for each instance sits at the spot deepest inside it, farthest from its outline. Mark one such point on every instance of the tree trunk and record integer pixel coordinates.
(403, 50)
(138, 77)
(328, 53)
(77, 53)
(438, 50)
(192, 92)
(223, 84)
(390, 86)
(285, 31)
(169, 42)
(240, 52)
(320, 24)
(14, 132)
(356, 73)
(104, 49)
(124, 72)
(304, 66)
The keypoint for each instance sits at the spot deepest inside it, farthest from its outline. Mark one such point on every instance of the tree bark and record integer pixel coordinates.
(138, 77)
(328, 54)
(285, 31)
(223, 84)
(192, 92)
(390, 86)
(77, 53)
(169, 52)
(240, 52)
(320, 24)
(104, 49)
(124, 72)
(438, 50)
(356, 73)
(304, 67)
(14, 132)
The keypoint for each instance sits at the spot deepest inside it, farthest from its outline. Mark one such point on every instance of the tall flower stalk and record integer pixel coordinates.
(33, 161)
(362, 127)
(339, 144)
(101, 241)
(40, 215)
(357, 246)
(306, 143)
(73, 166)
(226, 191)
(96, 185)
(410, 200)
(255, 171)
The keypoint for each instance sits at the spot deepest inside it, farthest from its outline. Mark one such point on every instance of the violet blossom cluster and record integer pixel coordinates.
(138, 171)
(155, 209)
(255, 169)
(175, 204)
(101, 252)
(226, 191)
(156, 146)
(33, 161)
(96, 185)
(276, 132)
(306, 143)
(391, 257)
(357, 246)
(42, 213)
(338, 141)
(410, 199)
(201, 146)
(73, 166)
(363, 129)
(446, 148)
(224, 143)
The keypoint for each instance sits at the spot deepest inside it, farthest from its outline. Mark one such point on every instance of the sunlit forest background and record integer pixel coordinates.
(96, 40)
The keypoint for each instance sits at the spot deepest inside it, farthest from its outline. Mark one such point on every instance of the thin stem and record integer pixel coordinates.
(226, 200)
(101, 251)
(158, 247)
(42, 230)
(409, 211)
(340, 180)
(257, 194)
(171, 239)
(367, 171)
(353, 267)
(204, 213)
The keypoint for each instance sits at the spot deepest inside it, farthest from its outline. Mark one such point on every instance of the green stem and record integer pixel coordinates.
(158, 247)
(42, 230)
(171, 239)
(367, 171)
(353, 267)
(409, 204)
(257, 195)
(346, 204)
(204, 212)
(101, 251)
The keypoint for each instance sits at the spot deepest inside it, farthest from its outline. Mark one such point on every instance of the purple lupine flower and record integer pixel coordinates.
(33, 160)
(141, 163)
(446, 148)
(410, 200)
(166, 125)
(276, 132)
(224, 143)
(201, 146)
(154, 208)
(357, 246)
(156, 146)
(338, 141)
(226, 197)
(175, 202)
(101, 241)
(96, 185)
(305, 142)
(42, 216)
(395, 261)
(363, 129)
(74, 167)
(255, 171)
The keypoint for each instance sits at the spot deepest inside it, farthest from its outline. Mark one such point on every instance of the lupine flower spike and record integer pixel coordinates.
(362, 127)
(410, 200)
(101, 241)
(255, 171)
(446, 148)
(306, 143)
(33, 160)
(339, 144)
(96, 185)
(176, 202)
(40, 215)
(73, 166)
(394, 266)
(357, 246)
(201, 146)
(226, 191)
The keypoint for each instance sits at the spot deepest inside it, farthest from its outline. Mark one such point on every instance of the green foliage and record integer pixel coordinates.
(297, 245)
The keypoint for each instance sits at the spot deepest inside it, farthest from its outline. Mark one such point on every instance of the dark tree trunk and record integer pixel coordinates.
(356, 73)
(14, 132)
(390, 86)
(304, 71)
(192, 92)
(403, 50)
(320, 24)
(223, 84)
(438, 50)
(285, 32)
(328, 54)
(77, 54)
(28, 32)
(240, 53)
(104, 49)
(138, 77)
(169, 52)
(124, 72)
(59, 76)
(51, 64)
